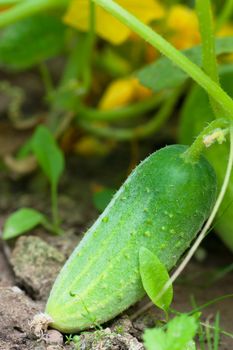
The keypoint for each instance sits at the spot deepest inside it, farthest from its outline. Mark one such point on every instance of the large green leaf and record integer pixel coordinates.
(31, 41)
(48, 154)
(154, 276)
(163, 74)
(21, 221)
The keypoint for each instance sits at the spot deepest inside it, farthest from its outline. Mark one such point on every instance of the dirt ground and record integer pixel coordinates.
(29, 265)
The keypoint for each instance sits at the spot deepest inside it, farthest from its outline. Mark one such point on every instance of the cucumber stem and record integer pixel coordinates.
(157, 41)
(132, 111)
(138, 132)
(206, 25)
(88, 49)
(225, 14)
(194, 151)
(28, 8)
(4, 3)
(55, 215)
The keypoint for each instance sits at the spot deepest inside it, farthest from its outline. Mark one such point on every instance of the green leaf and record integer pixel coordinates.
(154, 276)
(48, 154)
(31, 41)
(21, 221)
(181, 331)
(154, 339)
(179, 335)
(163, 74)
(102, 198)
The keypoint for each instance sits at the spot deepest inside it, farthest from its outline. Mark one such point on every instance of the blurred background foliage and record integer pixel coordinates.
(95, 85)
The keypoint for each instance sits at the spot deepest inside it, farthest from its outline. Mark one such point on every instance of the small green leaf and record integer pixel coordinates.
(163, 74)
(31, 41)
(21, 221)
(155, 339)
(179, 335)
(102, 198)
(181, 331)
(48, 154)
(154, 276)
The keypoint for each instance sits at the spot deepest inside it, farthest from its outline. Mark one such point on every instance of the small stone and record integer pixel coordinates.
(53, 337)
(109, 340)
(36, 265)
(39, 324)
(54, 347)
(122, 325)
(16, 289)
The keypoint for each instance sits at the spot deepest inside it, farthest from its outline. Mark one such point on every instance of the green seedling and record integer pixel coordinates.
(22, 221)
(178, 335)
(208, 335)
(51, 160)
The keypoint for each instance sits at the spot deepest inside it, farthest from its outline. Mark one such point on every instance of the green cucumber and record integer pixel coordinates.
(195, 115)
(161, 206)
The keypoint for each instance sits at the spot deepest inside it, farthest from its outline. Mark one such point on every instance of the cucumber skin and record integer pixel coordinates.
(161, 206)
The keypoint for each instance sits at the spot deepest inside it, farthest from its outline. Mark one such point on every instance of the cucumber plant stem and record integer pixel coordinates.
(28, 8)
(209, 62)
(46, 78)
(138, 132)
(206, 25)
(54, 203)
(224, 15)
(194, 151)
(132, 111)
(157, 41)
(4, 3)
(89, 45)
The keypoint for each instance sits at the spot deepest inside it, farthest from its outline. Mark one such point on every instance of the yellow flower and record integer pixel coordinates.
(107, 26)
(182, 22)
(226, 30)
(180, 27)
(90, 146)
(122, 92)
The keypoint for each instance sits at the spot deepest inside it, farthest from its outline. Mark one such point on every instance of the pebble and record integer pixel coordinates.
(54, 337)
